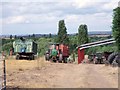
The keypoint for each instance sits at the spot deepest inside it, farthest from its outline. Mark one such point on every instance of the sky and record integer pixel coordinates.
(42, 16)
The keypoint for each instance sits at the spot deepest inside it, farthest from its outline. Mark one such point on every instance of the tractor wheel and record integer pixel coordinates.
(54, 59)
(47, 57)
(111, 57)
(117, 60)
(60, 58)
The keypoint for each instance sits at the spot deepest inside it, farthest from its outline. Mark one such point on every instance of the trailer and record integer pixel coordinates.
(25, 48)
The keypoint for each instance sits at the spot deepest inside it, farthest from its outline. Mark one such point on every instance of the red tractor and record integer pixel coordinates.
(57, 52)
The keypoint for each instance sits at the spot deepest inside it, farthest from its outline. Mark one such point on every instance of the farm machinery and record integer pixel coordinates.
(105, 57)
(25, 48)
(57, 52)
(96, 58)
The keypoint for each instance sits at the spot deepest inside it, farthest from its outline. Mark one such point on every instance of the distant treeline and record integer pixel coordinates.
(50, 35)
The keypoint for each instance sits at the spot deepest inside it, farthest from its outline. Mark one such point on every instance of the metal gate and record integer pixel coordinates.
(2, 74)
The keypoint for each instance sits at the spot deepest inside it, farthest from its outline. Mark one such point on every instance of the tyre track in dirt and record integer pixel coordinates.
(80, 76)
(60, 75)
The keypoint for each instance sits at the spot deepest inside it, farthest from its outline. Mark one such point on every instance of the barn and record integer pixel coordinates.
(81, 48)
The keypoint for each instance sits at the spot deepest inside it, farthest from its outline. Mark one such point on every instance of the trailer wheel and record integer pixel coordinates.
(17, 57)
(111, 57)
(31, 57)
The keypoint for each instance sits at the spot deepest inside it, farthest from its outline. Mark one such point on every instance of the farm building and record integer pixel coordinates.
(81, 48)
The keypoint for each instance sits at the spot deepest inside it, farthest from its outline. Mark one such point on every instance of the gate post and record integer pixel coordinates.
(4, 71)
(80, 55)
(2, 74)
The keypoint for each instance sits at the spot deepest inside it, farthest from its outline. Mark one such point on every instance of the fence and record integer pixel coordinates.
(2, 75)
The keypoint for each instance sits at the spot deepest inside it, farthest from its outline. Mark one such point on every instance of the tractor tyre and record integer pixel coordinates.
(47, 57)
(111, 57)
(117, 59)
(54, 59)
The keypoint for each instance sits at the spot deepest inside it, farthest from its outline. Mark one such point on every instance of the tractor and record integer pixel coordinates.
(57, 52)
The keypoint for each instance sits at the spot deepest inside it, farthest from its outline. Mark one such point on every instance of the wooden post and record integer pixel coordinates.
(4, 71)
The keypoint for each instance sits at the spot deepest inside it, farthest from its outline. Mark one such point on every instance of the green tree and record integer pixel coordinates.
(29, 36)
(50, 35)
(43, 44)
(15, 37)
(116, 26)
(73, 43)
(62, 36)
(11, 36)
(33, 36)
(82, 34)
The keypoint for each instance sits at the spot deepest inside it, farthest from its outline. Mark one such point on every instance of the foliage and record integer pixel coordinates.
(50, 35)
(104, 48)
(62, 33)
(95, 38)
(15, 37)
(43, 44)
(33, 36)
(5, 41)
(73, 43)
(82, 34)
(116, 26)
(11, 36)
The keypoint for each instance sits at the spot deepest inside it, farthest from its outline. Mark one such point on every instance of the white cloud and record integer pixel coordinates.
(84, 4)
(31, 18)
(111, 5)
(96, 14)
(13, 20)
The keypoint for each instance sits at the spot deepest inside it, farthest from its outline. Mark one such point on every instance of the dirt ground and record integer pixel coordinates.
(42, 74)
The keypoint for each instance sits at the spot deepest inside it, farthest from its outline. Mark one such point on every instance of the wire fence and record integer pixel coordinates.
(2, 74)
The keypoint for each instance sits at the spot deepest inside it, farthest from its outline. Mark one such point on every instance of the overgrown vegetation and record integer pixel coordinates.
(116, 26)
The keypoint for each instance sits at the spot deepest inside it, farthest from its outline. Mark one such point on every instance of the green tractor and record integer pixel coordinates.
(57, 52)
(54, 55)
